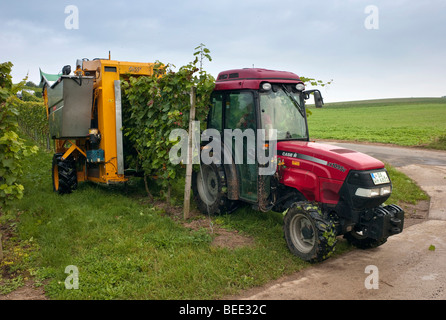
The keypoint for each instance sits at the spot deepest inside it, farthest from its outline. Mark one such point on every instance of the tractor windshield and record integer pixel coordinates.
(284, 111)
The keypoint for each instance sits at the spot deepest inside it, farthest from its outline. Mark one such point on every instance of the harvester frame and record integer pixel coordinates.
(85, 114)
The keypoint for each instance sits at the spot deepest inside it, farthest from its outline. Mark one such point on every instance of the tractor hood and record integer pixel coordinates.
(332, 157)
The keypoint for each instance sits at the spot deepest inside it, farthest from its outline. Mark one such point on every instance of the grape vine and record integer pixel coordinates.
(158, 104)
(12, 148)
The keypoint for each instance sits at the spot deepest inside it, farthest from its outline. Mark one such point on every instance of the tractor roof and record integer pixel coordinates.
(251, 78)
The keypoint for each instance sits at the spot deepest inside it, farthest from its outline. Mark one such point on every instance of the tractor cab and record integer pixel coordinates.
(324, 191)
(253, 99)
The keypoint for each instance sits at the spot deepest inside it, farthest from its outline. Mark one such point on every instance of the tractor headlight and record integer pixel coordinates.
(367, 193)
(375, 192)
(266, 86)
(300, 87)
(385, 191)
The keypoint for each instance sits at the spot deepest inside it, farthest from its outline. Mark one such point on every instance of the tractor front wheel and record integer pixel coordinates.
(64, 174)
(309, 234)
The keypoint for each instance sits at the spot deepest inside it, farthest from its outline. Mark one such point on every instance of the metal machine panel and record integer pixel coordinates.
(70, 101)
(119, 143)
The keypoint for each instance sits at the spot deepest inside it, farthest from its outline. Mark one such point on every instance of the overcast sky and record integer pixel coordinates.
(395, 49)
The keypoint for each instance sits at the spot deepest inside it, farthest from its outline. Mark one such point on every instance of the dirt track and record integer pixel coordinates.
(411, 265)
(406, 269)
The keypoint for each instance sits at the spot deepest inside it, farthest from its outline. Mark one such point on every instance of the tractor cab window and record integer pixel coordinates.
(283, 111)
(216, 112)
(240, 111)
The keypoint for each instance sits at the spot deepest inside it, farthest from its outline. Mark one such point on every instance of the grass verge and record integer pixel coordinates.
(405, 190)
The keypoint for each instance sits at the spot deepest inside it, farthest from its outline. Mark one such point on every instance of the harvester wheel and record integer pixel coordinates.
(208, 188)
(309, 234)
(64, 174)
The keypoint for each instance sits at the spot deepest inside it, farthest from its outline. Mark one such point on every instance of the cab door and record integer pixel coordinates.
(240, 113)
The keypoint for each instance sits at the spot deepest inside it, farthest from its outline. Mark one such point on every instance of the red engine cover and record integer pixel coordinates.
(319, 170)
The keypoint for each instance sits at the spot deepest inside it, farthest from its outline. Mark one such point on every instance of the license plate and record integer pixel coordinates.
(380, 177)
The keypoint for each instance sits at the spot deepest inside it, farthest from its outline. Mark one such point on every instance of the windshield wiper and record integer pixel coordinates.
(302, 112)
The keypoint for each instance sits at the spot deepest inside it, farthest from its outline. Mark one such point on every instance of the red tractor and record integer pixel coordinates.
(324, 191)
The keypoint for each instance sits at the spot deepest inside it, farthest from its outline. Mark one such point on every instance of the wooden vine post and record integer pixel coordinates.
(188, 181)
(1, 248)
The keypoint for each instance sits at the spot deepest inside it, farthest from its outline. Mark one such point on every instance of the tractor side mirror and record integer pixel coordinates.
(318, 101)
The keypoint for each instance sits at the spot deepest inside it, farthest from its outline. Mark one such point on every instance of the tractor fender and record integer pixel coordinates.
(304, 181)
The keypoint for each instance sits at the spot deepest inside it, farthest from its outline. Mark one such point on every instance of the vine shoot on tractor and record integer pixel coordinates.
(324, 191)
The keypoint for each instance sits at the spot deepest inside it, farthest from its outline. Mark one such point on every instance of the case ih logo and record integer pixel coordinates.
(289, 154)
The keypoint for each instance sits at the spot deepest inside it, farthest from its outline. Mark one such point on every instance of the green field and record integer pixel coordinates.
(406, 122)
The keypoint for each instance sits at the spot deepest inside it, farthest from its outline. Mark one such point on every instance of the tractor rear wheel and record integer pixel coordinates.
(208, 187)
(309, 234)
(64, 174)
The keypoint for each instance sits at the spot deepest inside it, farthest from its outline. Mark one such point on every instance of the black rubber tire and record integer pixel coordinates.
(64, 174)
(309, 234)
(208, 187)
(362, 242)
